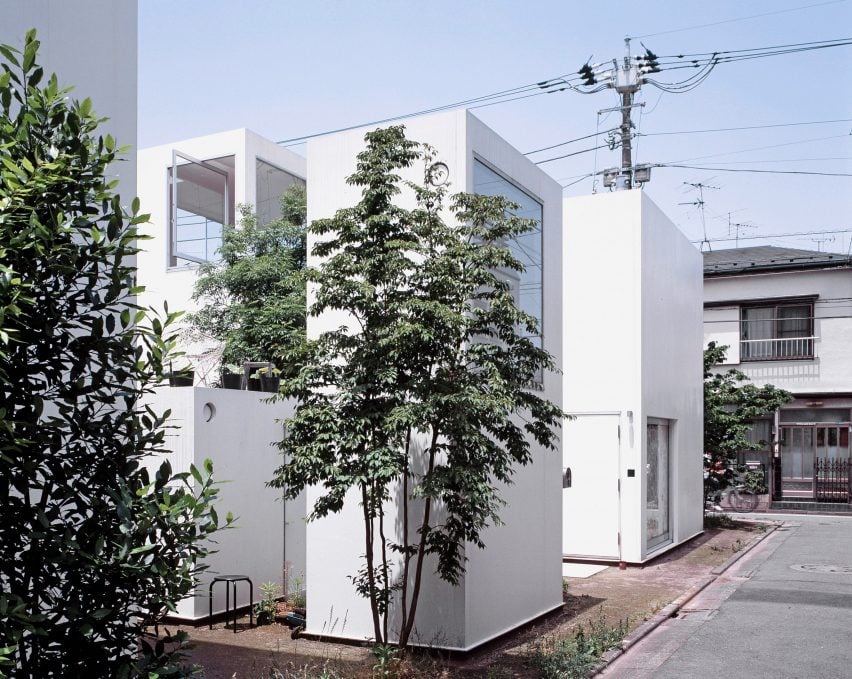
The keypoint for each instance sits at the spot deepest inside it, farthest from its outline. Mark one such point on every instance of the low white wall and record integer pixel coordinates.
(239, 439)
(518, 576)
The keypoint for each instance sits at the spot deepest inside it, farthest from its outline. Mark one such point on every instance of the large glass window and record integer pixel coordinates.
(657, 518)
(272, 182)
(527, 285)
(775, 332)
(201, 202)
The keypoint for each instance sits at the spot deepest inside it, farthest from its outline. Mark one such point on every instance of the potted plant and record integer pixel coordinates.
(266, 608)
(232, 376)
(270, 379)
(183, 377)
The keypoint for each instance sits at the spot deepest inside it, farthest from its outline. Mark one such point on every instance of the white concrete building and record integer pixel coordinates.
(90, 45)
(632, 456)
(215, 174)
(518, 576)
(236, 430)
(784, 315)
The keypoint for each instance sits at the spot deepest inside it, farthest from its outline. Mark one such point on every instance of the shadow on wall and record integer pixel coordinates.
(800, 372)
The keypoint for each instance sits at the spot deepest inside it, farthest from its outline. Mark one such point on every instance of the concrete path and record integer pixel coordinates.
(782, 611)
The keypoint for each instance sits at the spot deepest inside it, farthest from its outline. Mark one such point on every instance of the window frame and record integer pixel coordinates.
(173, 260)
(775, 306)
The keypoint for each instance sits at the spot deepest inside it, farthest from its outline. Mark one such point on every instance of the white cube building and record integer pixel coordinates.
(633, 380)
(215, 175)
(517, 577)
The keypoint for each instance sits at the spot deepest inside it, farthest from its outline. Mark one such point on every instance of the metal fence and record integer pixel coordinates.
(832, 480)
(777, 349)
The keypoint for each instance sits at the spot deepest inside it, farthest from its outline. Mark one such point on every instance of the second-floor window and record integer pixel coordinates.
(777, 332)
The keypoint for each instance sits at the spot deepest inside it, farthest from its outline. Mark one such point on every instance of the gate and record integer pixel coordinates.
(832, 480)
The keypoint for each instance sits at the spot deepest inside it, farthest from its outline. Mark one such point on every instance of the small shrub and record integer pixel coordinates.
(569, 658)
(719, 521)
(265, 609)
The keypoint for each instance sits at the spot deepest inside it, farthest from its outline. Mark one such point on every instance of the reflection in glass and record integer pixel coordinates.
(526, 285)
(272, 182)
(657, 524)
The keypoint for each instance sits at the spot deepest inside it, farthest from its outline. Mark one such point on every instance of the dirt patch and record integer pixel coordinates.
(634, 595)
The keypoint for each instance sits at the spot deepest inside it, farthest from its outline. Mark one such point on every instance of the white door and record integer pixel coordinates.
(590, 500)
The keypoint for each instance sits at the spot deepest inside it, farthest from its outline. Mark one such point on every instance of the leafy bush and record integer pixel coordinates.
(94, 547)
(569, 658)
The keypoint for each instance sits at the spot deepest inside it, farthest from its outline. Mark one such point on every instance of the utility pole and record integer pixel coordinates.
(626, 78)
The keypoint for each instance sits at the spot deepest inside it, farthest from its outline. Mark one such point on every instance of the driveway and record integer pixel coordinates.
(784, 610)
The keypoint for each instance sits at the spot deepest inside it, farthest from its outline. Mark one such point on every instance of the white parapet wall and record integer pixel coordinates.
(633, 379)
(517, 577)
(236, 430)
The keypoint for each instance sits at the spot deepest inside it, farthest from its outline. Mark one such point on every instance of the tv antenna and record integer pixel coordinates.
(699, 203)
(821, 241)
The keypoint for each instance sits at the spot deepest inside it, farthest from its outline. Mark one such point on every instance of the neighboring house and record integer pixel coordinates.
(786, 316)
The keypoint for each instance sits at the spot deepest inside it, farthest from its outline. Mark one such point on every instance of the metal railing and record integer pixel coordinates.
(832, 481)
(777, 349)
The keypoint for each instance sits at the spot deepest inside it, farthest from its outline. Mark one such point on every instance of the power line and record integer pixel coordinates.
(731, 21)
(746, 127)
(729, 169)
(546, 86)
(776, 235)
(570, 141)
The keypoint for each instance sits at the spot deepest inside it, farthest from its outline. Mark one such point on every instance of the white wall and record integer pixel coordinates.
(632, 350)
(831, 370)
(90, 44)
(239, 440)
(518, 576)
(672, 359)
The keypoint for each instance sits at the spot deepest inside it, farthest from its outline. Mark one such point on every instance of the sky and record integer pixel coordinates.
(286, 69)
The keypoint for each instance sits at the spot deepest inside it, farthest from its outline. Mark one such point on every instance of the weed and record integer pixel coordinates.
(568, 658)
(737, 546)
(719, 521)
(386, 658)
(266, 607)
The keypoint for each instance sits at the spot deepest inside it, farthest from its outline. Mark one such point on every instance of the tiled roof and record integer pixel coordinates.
(767, 257)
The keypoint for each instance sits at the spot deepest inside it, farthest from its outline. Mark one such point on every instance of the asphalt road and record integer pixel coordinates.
(782, 611)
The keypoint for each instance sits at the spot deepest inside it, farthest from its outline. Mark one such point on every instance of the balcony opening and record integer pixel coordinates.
(777, 332)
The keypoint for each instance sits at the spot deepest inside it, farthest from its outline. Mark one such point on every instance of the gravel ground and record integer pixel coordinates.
(633, 594)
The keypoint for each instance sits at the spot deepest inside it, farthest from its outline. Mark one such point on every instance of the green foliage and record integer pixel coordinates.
(253, 299)
(730, 404)
(578, 657)
(426, 392)
(93, 546)
(266, 608)
(717, 520)
(296, 591)
(386, 658)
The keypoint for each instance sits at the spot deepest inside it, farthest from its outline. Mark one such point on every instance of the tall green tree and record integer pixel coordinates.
(253, 298)
(425, 394)
(731, 403)
(93, 546)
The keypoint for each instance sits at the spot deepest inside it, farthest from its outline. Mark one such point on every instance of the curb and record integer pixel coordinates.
(672, 609)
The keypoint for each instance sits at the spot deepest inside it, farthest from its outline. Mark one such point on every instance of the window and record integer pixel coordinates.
(526, 285)
(272, 182)
(201, 202)
(776, 332)
(657, 515)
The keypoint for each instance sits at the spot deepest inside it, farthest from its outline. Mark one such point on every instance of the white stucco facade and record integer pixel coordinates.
(90, 45)
(237, 431)
(633, 362)
(517, 577)
(830, 371)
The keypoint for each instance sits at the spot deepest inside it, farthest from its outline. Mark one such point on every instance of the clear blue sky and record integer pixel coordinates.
(288, 68)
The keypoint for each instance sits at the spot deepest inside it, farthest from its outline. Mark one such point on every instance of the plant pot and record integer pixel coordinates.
(253, 384)
(270, 383)
(264, 618)
(232, 381)
(183, 378)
